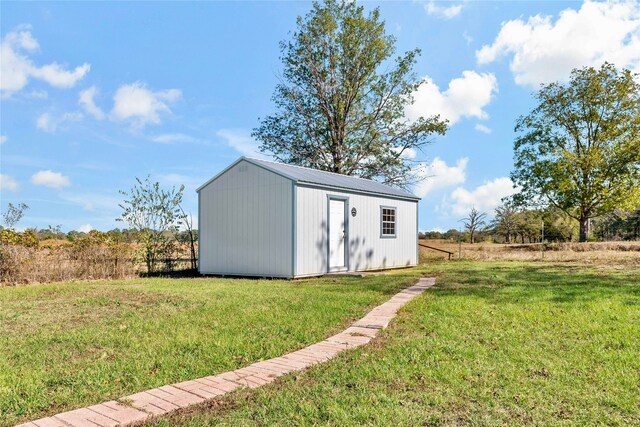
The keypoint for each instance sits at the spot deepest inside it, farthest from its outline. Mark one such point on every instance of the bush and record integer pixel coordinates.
(21, 264)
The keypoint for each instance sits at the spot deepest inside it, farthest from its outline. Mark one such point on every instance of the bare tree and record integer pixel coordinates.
(474, 222)
(13, 214)
(187, 220)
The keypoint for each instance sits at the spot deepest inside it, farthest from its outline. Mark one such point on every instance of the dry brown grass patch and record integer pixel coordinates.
(605, 254)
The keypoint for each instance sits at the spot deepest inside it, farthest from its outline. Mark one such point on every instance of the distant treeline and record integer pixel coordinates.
(35, 236)
(511, 226)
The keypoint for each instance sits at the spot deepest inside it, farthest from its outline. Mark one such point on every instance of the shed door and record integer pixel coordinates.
(337, 235)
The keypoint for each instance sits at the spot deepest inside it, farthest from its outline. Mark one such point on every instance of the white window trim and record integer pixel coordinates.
(395, 222)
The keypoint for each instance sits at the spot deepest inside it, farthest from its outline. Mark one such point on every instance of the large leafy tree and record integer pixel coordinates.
(618, 225)
(505, 221)
(579, 149)
(341, 99)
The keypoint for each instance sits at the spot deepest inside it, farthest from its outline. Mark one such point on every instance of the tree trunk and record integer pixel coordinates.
(472, 237)
(584, 229)
(194, 265)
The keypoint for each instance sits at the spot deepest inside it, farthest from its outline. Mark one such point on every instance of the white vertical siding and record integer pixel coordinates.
(367, 250)
(246, 223)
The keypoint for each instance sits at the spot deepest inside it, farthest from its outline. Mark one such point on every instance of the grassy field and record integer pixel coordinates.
(69, 345)
(593, 253)
(494, 343)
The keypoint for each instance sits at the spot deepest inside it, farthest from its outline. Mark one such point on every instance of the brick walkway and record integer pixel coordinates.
(141, 406)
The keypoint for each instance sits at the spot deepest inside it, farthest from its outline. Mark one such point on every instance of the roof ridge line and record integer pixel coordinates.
(316, 170)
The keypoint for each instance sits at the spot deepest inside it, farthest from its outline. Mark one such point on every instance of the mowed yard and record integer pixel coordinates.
(64, 346)
(494, 343)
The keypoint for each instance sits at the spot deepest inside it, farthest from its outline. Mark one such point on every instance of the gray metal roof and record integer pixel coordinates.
(329, 179)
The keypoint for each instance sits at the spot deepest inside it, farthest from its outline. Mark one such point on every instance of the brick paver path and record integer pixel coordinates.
(141, 406)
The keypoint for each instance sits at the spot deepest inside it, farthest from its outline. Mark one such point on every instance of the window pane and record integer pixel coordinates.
(388, 221)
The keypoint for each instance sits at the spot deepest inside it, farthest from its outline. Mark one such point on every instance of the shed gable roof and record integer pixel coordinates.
(304, 175)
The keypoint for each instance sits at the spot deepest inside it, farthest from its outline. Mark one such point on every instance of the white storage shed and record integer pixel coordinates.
(268, 219)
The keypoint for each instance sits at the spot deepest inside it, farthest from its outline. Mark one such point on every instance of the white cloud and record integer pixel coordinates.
(408, 153)
(92, 201)
(57, 76)
(446, 12)
(438, 174)
(435, 229)
(482, 128)
(85, 228)
(485, 197)
(170, 138)
(467, 37)
(17, 68)
(86, 101)
(37, 94)
(45, 123)
(48, 123)
(3, 139)
(543, 50)
(8, 183)
(51, 179)
(466, 96)
(241, 141)
(137, 103)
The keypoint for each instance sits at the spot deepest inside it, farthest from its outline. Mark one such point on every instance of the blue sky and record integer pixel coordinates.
(97, 93)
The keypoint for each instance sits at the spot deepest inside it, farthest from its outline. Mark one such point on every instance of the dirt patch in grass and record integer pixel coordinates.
(215, 406)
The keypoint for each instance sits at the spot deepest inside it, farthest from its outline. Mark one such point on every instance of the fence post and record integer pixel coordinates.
(542, 245)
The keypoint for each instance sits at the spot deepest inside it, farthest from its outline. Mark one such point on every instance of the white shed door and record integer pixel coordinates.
(337, 235)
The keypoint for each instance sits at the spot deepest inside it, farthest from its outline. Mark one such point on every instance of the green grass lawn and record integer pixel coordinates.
(64, 346)
(494, 343)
